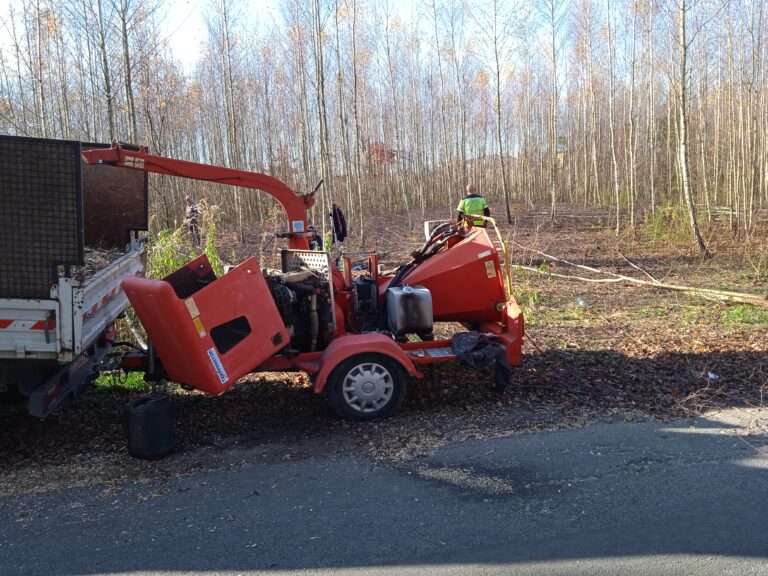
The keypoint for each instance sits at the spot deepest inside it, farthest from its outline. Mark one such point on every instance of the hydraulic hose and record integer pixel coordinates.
(507, 275)
(435, 242)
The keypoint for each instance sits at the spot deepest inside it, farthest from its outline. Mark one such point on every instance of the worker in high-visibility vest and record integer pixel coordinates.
(473, 205)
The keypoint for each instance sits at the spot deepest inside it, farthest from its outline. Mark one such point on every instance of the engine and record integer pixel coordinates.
(303, 299)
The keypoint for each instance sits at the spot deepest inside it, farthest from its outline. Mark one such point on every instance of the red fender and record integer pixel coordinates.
(344, 347)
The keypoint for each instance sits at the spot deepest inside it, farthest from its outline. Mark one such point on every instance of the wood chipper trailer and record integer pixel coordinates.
(356, 337)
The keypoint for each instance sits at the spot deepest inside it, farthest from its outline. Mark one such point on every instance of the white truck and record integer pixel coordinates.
(58, 302)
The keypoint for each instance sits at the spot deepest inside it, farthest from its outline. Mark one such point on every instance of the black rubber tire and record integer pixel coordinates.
(384, 375)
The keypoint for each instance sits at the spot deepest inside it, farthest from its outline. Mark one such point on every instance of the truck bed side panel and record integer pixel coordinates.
(100, 300)
(28, 328)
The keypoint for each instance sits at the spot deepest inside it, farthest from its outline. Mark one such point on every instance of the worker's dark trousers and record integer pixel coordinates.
(194, 232)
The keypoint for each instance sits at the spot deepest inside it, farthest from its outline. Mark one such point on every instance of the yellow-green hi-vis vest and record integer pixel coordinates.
(473, 206)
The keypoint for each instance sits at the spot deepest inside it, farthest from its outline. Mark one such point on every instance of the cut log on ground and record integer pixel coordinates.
(612, 277)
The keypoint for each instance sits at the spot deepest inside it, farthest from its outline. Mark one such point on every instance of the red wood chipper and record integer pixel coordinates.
(356, 337)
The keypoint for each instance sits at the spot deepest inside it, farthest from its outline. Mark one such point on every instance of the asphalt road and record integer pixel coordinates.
(621, 498)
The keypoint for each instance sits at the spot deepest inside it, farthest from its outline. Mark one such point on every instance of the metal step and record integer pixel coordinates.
(433, 353)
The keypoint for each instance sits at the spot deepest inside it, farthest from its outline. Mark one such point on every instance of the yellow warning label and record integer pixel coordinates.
(192, 307)
(490, 269)
(199, 326)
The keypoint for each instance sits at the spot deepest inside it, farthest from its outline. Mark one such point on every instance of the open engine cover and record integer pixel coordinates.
(209, 331)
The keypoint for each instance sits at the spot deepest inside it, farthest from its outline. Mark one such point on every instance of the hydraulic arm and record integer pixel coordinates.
(295, 205)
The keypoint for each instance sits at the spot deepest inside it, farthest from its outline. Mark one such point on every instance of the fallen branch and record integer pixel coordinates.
(567, 276)
(636, 267)
(707, 293)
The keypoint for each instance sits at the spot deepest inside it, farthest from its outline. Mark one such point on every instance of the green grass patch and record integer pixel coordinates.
(532, 301)
(652, 312)
(667, 223)
(527, 298)
(574, 312)
(745, 314)
(169, 250)
(555, 314)
(119, 380)
(692, 315)
(757, 260)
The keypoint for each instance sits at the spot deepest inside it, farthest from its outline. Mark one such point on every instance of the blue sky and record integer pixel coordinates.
(184, 24)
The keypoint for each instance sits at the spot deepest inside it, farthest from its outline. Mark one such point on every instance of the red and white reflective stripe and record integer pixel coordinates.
(106, 299)
(27, 325)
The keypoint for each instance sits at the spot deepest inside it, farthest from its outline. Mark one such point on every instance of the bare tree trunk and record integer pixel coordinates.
(231, 126)
(617, 196)
(499, 134)
(631, 145)
(19, 80)
(325, 154)
(453, 193)
(702, 139)
(356, 113)
(124, 8)
(552, 15)
(593, 120)
(683, 150)
(584, 146)
(64, 97)
(40, 90)
(651, 113)
(343, 125)
(105, 70)
(396, 103)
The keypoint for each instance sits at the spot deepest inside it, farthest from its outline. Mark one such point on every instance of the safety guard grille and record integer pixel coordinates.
(41, 215)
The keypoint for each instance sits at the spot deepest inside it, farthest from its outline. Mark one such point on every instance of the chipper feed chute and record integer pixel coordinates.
(466, 281)
(209, 331)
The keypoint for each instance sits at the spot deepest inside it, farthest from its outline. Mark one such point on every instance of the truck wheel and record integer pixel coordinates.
(366, 386)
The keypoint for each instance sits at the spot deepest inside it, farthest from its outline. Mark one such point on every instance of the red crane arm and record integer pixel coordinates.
(295, 205)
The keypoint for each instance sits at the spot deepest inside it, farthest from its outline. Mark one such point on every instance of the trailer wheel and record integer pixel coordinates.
(366, 386)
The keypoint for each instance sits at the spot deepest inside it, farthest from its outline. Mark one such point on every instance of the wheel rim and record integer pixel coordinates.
(368, 387)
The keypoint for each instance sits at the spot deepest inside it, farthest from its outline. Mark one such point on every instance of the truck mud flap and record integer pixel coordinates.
(68, 381)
